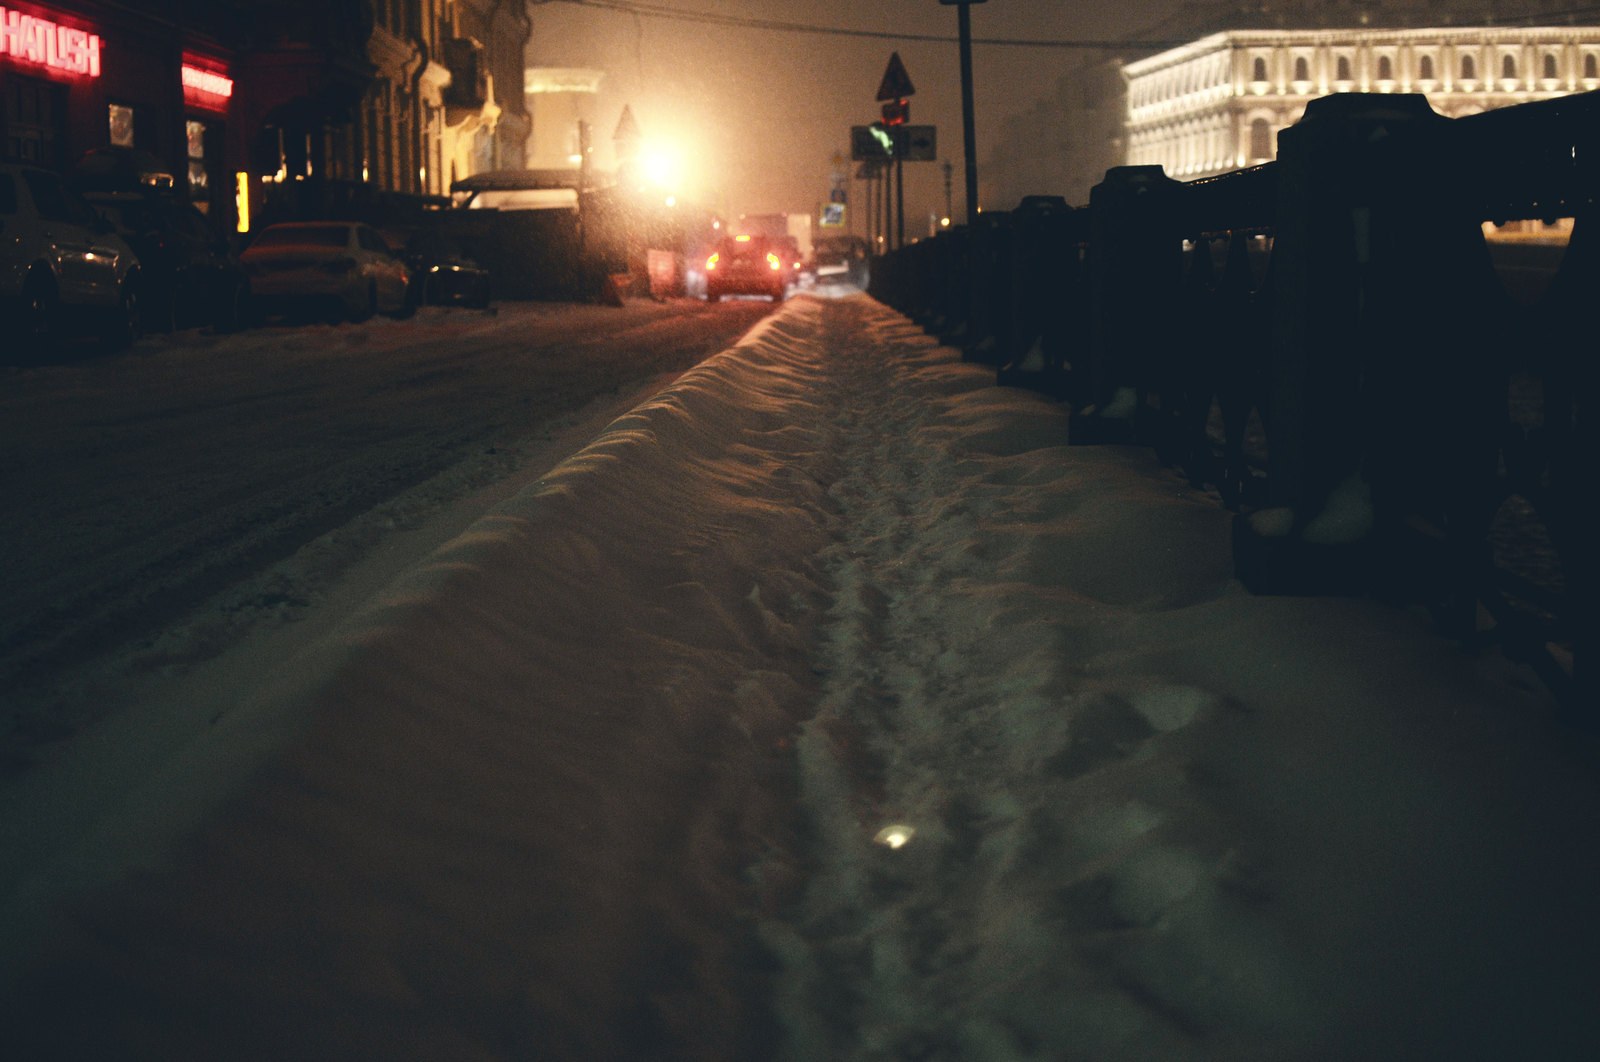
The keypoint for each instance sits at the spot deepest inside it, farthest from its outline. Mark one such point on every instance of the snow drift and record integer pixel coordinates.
(603, 778)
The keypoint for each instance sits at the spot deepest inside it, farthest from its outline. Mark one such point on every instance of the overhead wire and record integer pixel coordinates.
(636, 8)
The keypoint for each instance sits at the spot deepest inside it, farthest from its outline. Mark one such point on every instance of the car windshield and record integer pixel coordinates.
(304, 236)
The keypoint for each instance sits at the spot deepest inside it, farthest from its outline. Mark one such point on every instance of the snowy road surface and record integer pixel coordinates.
(603, 777)
(171, 480)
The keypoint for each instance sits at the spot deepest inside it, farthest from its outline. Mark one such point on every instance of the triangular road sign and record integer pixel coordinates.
(627, 128)
(896, 82)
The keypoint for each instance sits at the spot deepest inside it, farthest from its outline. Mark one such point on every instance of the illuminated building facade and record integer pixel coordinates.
(392, 97)
(1218, 103)
(76, 76)
(264, 110)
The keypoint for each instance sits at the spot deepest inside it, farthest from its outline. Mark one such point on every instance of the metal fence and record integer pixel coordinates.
(1327, 342)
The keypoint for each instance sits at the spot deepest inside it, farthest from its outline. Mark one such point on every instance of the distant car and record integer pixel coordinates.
(442, 274)
(794, 262)
(748, 265)
(191, 275)
(63, 268)
(343, 268)
(840, 258)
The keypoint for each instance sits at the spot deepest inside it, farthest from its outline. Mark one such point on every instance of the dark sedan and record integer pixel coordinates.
(192, 278)
(442, 274)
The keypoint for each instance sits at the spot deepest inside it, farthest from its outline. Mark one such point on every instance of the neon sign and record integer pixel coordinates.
(206, 83)
(38, 40)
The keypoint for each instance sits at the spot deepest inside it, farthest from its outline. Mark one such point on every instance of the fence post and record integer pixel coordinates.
(1379, 359)
(990, 279)
(1136, 274)
(1044, 268)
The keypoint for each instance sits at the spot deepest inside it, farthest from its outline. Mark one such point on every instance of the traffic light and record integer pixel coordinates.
(896, 112)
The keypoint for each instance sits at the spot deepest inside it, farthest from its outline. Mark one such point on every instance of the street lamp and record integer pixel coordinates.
(964, 16)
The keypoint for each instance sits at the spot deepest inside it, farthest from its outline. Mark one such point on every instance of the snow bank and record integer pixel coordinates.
(607, 776)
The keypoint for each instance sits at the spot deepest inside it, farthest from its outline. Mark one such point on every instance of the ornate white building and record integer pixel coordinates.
(1217, 104)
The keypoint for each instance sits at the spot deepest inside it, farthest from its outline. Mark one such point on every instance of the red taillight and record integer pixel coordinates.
(773, 263)
(711, 263)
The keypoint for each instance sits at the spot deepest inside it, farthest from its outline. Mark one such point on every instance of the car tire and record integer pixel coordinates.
(234, 313)
(369, 304)
(38, 312)
(127, 323)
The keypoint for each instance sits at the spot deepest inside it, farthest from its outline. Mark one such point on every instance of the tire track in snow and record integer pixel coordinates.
(955, 698)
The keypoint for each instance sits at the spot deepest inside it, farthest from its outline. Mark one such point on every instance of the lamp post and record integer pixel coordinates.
(964, 21)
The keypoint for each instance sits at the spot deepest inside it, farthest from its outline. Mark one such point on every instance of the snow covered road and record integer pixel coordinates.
(152, 494)
(605, 777)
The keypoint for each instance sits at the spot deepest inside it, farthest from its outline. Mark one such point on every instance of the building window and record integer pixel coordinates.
(1469, 69)
(1342, 71)
(1258, 70)
(1425, 68)
(1550, 67)
(1591, 68)
(35, 121)
(1260, 140)
(121, 121)
(1385, 68)
(1302, 69)
(198, 135)
(1508, 67)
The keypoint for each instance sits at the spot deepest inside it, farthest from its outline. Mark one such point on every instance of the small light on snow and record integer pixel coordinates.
(894, 836)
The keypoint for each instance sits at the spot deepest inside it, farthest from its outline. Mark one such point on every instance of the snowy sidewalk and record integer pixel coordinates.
(602, 779)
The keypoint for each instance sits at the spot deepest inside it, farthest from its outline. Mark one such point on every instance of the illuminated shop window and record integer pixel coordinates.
(121, 125)
(199, 184)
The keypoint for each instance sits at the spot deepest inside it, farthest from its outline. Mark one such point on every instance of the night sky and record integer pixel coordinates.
(755, 116)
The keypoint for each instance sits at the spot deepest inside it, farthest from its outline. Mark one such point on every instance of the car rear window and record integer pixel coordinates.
(756, 247)
(311, 235)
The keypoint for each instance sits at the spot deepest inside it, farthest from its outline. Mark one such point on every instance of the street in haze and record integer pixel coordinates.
(142, 484)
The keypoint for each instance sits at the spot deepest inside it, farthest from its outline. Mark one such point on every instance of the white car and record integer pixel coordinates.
(63, 268)
(341, 266)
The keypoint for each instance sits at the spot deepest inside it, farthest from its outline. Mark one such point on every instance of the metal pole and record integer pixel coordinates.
(888, 210)
(899, 202)
(968, 135)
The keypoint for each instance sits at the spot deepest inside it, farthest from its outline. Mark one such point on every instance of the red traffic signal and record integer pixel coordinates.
(896, 112)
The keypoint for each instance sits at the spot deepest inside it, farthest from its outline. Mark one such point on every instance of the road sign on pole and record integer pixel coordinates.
(870, 142)
(916, 143)
(896, 84)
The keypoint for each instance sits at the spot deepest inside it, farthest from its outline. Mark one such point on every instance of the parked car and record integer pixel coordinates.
(442, 274)
(747, 265)
(342, 268)
(191, 275)
(63, 268)
(840, 258)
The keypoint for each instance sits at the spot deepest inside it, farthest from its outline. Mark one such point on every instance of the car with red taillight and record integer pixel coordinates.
(748, 265)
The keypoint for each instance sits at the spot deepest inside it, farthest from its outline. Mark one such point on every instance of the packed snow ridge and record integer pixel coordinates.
(829, 706)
